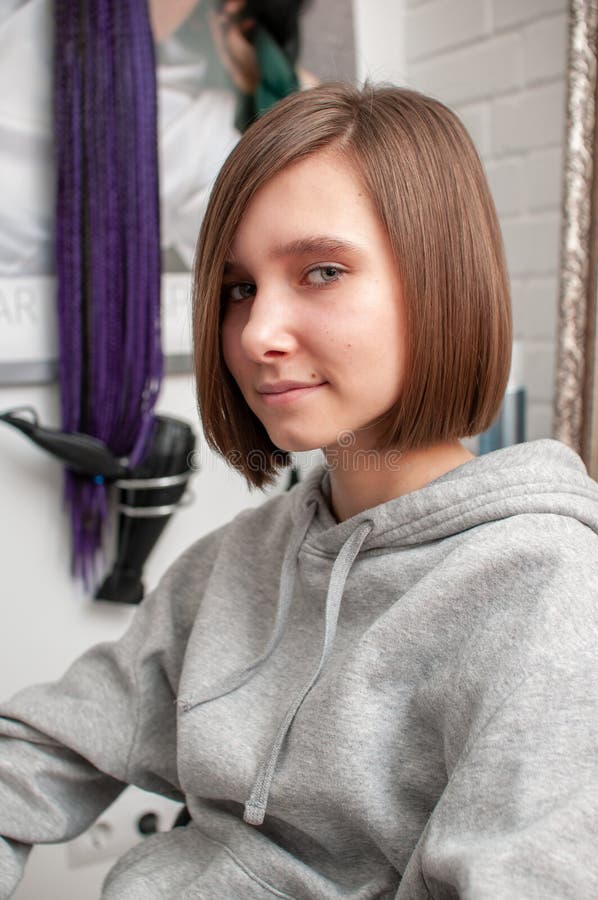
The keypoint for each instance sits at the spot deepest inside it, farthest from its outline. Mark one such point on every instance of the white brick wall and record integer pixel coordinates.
(513, 13)
(437, 27)
(501, 65)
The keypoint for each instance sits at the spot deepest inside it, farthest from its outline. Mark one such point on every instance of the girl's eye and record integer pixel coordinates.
(322, 275)
(234, 293)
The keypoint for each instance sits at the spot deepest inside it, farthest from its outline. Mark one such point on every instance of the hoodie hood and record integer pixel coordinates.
(541, 476)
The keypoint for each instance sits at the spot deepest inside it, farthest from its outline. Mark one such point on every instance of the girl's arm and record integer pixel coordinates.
(67, 749)
(519, 815)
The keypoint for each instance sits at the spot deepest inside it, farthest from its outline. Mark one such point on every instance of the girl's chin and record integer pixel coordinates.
(291, 442)
(296, 446)
(338, 441)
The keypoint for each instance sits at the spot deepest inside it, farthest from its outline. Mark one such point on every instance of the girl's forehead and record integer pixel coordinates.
(319, 195)
(318, 171)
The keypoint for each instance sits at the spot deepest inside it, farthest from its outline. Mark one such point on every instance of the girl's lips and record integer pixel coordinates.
(290, 396)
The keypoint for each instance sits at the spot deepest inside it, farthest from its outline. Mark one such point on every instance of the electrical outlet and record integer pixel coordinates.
(131, 817)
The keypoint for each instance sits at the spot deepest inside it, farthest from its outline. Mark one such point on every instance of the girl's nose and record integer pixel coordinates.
(269, 330)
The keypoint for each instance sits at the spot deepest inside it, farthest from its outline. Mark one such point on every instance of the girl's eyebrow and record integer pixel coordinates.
(319, 246)
(309, 245)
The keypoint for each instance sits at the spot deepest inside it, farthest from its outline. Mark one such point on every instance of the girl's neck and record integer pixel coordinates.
(360, 480)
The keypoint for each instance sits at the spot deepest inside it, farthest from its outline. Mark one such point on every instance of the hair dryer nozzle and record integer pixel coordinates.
(81, 453)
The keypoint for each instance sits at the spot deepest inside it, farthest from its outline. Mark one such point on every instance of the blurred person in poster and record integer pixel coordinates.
(213, 77)
(220, 65)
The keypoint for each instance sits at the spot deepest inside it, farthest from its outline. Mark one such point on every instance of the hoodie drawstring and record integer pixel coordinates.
(285, 596)
(255, 807)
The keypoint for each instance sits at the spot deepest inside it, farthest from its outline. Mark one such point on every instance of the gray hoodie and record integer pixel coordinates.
(403, 705)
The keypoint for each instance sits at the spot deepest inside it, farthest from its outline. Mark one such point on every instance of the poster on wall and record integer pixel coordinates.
(202, 108)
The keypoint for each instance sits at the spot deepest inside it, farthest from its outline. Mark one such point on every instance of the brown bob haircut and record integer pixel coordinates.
(425, 179)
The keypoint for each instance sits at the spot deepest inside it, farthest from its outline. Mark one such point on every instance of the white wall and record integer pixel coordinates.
(380, 38)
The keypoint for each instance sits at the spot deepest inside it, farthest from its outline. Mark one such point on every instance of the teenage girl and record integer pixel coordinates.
(383, 683)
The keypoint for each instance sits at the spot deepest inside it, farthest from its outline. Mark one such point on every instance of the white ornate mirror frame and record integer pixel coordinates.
(576, 388)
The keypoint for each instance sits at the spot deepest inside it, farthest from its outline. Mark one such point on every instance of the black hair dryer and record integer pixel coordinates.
(148, 496)
(149, 493)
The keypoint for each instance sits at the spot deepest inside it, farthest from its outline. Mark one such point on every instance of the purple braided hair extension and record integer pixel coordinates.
(107, 242)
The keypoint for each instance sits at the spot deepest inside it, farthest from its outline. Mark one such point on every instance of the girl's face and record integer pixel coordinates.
(314, 322)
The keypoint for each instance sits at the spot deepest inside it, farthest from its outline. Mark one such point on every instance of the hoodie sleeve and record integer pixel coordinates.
(519, 814)
(67, 749)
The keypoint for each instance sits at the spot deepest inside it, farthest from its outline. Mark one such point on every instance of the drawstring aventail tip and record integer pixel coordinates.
(254, 814)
